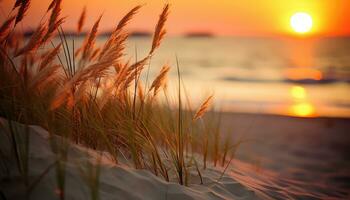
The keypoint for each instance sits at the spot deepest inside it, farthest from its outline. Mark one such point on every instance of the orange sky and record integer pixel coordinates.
(223, 17)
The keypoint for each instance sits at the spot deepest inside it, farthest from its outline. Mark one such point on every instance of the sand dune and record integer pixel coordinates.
(305, 161)
(115, 181)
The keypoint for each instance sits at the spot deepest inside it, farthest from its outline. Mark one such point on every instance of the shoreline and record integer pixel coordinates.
(282, 115)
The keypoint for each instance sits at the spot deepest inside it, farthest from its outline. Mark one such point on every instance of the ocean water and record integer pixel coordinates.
(289, 76)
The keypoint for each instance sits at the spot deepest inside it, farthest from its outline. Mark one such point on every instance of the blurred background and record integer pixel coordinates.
(255, 56)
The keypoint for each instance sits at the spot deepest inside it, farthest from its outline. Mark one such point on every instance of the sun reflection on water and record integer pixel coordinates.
(303, 109)
(298, 92)
(300, 107)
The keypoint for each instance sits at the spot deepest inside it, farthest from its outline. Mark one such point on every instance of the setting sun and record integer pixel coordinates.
(301, 22)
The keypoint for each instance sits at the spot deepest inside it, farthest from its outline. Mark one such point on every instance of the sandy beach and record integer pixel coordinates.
(307, 160)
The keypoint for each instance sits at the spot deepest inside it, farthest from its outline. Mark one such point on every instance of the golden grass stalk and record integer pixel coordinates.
(92, 71)
(90, 40)
(81, 20)
(217, 137)
(179, 159)
(128, 79)
(17, 3)
(125, 20)
(52, 4)
(226, 149)
(49, 57)
(35, 41)
(118, 31)
(23, 70)
(160, 80)
(140, 92)
(203, 108)
(110, 58)
(44, 77)
(5, 28)
(14, 40)
(138, 66)
(80, 93)
(23, 7)
(160, 31)
(32, 59)
(54, 21)
(117, 67)
(77, 52)
(121, 75)
(61, 97)
(94, 54)
(95, 106)
(56, 11)
(133, 72)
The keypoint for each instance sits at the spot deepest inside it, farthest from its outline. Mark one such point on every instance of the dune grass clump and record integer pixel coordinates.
(93, 96)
